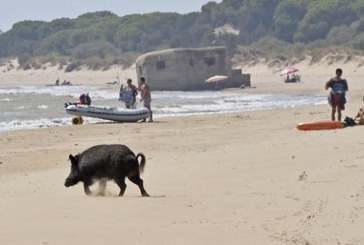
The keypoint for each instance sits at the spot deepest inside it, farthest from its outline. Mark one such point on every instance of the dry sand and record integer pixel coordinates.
(244, 178)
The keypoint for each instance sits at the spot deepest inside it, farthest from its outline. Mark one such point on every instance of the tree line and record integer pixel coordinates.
(102, 38)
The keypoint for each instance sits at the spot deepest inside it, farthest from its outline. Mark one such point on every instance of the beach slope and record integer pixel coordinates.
(246, 178)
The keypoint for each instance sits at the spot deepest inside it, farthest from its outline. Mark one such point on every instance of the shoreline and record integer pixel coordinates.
(232, 96)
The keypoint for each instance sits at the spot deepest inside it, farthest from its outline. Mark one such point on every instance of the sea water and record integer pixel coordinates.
(25, 107)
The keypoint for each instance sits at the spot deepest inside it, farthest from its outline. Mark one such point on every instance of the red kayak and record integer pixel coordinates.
(320, 125)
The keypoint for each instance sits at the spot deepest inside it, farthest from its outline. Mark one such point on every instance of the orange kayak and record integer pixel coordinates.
(320, 125)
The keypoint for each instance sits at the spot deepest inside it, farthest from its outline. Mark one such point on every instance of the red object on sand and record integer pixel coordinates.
(320, 125)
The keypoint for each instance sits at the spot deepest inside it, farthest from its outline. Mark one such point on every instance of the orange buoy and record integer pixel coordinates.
(77, 120)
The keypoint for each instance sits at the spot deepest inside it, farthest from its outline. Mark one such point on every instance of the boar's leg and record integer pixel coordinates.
(120, 181)
(139, 182)
(102, 186)
(86, 187)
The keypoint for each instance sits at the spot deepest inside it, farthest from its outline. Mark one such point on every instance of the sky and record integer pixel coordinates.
(12, 11)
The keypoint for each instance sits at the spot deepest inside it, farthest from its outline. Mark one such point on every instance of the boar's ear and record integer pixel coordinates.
(72, 158)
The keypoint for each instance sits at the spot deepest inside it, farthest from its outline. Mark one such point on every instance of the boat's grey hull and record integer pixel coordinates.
(109, 113)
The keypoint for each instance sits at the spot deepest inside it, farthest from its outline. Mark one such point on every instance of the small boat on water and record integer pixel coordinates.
(109, 113)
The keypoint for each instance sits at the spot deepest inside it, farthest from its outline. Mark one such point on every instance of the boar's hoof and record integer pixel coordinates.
(145, 194)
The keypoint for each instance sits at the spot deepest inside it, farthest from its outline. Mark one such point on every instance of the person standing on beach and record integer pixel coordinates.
(132, 90)
(146, 97)
(337, 100)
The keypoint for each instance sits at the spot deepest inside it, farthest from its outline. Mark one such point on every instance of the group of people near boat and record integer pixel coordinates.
(128, 94)
(337, 99)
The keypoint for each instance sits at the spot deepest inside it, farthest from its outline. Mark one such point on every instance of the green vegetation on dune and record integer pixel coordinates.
(251, 28)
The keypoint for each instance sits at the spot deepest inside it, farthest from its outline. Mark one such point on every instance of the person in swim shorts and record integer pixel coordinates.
(337, 100)
(146, 97)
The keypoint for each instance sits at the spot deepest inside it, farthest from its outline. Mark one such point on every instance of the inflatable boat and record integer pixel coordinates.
(109, 113)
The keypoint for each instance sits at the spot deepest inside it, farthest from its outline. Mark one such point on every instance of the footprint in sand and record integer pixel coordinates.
(302, 176)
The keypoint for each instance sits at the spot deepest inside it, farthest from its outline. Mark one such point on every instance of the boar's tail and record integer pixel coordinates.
(142, 162)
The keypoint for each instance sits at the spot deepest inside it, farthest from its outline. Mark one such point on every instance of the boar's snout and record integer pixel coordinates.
(70, 181)
(67, 183)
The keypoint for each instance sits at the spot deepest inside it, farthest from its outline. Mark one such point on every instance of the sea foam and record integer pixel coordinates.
(43, 106)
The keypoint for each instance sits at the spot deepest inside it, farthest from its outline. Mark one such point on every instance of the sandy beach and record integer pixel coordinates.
(243, 178)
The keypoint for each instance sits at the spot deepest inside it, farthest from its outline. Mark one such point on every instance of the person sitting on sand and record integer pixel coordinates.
(337, 100)
(359, 117)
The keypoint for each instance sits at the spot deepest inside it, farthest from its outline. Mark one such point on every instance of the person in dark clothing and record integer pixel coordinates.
(337, 100)
(84, 99)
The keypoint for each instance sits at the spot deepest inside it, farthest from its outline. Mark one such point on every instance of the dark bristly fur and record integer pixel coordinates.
(106, 162)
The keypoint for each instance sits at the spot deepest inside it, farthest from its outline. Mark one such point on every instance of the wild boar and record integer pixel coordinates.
(106, 162)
